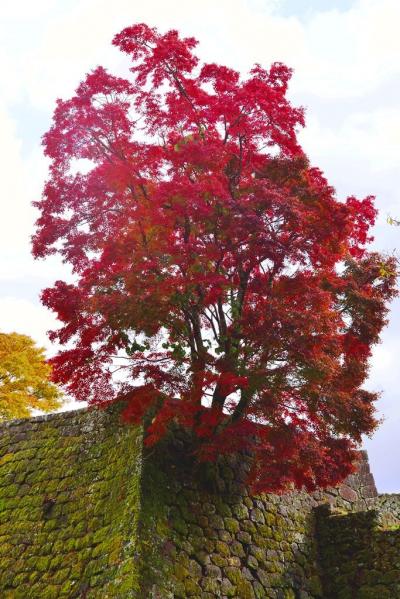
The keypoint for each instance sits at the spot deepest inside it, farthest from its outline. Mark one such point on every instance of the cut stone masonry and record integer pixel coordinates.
(86, 513)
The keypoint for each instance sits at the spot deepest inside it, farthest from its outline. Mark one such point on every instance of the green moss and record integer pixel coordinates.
(192, 588)
(180, 571)
(7, 457)
(68, 588)
(211, 585)
(59, 484)
(155, 530)
(232, 525)
(234, 575)
(222, 548)
(245, 589)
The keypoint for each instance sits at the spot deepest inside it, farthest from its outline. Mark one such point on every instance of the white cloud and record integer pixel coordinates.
(15, 221)
(21, 182)
(21, 316)
(370, 138)
(351, 52)
(335, 54)
(384, 373)
(25, 9)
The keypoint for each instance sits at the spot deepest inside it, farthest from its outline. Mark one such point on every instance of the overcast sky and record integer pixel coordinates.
(346, 56)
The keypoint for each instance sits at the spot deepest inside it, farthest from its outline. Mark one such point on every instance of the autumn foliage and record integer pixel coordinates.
(25, 378)
(215, 269)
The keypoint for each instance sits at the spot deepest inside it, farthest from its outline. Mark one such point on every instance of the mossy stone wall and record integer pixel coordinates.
(86, 513)
(388, 509)
(69, 501)
(358, 559)
(214, 539)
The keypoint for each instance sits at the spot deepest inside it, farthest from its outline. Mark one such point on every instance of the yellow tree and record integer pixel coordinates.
(24, 378)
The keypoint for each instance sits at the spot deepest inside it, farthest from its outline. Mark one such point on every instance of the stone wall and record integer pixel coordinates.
(219, 541)
(69, 502)
(86, 513)
(388, 509)
(358, 559)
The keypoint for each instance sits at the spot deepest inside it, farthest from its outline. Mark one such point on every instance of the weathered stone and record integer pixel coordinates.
(264, 578)
(203, 557)
(213, 571)
(222, 548)
(225, 536)
(241, 511)
(247, 574)
(259, 590)
(256, 515)
(194, 568)
(252, 562)
(237, 549)
(211, 585)
(227, 588)
(216, 521)
(233, 561)
(218, 560)
(244, 537)
(347, 493)
(232, 525)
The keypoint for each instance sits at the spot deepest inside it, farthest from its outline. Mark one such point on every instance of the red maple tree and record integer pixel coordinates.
(213, 265)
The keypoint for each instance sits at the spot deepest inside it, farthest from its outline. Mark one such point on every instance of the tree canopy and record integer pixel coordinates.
(24, 378)
(214, 267)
